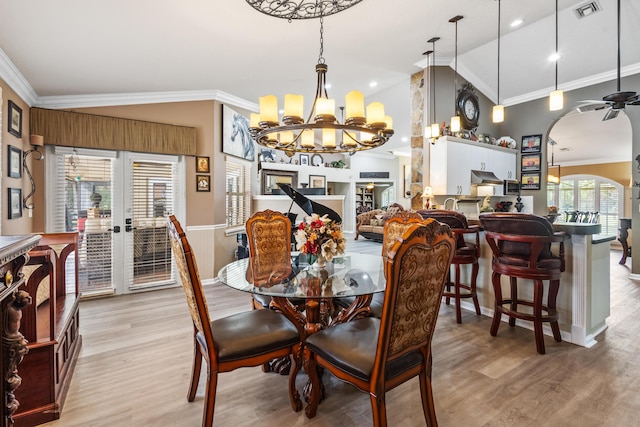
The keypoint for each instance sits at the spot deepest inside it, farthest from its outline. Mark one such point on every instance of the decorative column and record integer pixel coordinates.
(418, 91)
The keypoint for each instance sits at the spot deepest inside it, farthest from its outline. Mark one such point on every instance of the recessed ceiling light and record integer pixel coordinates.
(404, 139)
(517, 23)
(555, 57)
(373, 84)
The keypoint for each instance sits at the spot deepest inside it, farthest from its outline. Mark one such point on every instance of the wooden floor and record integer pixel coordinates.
(134, 368)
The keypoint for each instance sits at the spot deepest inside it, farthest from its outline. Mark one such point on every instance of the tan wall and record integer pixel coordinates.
(21, 225)
(619, 172)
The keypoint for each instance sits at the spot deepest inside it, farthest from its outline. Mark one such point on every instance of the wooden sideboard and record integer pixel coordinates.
(13, 256)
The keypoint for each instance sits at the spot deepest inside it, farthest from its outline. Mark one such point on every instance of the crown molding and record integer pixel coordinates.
(15, 80)
(103, 100)
(444, 61)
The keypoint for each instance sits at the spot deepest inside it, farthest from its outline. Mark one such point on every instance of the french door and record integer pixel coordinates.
(119, 203)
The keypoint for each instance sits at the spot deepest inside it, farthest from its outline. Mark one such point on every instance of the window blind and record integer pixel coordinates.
(238, 194)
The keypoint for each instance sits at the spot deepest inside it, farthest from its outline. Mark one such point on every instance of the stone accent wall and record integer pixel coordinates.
(418, 88)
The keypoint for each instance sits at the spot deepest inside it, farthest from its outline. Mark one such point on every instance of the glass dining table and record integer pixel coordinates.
(308, 294)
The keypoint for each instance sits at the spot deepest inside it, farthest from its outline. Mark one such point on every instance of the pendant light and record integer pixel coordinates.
(455, 120)
(435, 127)
(427, 128)
(556, 97)
(553, 171)
(498, 110)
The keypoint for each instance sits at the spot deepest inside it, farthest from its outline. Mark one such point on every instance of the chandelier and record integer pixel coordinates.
(361, 128)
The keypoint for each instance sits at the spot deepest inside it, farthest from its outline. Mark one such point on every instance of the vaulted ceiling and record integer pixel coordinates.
(74, 52)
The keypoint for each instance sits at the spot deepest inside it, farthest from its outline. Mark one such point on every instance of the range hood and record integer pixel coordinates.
(484, 178)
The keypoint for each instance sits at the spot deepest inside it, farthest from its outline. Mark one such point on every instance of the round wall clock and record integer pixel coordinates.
(468, 107)
(316, 160)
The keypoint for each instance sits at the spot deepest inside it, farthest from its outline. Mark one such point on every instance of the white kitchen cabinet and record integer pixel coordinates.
(452, 159)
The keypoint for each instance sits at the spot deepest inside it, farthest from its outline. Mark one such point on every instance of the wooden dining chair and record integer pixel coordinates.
(377, 355)
(245, 339)
(269, 241)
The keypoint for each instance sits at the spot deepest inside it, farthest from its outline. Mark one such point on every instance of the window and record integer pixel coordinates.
(238, 194)
(591, 194)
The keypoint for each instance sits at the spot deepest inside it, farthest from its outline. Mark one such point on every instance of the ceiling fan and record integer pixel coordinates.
(616, 101)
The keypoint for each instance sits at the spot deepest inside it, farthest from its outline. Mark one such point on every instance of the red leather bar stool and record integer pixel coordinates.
(467, 253)
(521, 246)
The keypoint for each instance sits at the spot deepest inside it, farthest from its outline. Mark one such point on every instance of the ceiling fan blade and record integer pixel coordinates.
(611, 114)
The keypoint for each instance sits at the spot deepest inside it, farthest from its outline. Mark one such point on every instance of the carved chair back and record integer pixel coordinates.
(269, 239)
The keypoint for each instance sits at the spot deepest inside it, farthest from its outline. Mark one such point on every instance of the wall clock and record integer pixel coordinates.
(316, 160)
(468, 107)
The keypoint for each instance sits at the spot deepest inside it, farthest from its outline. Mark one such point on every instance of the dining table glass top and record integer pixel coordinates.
(350, 274)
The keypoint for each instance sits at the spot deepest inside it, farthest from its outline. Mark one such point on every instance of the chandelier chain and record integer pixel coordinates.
(320, 57)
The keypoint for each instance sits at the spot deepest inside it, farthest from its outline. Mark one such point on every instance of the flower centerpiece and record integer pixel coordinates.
(552, 213)
(320, 237)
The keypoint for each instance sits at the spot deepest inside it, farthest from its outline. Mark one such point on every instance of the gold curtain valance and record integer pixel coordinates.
(72, 129)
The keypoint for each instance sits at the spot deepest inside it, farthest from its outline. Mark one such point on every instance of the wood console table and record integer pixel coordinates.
(624, 224)
(13, 256)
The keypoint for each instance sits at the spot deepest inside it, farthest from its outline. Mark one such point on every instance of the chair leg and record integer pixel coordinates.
(426, 394)
(475, 268)
(379, 410)
(554, 286)
(538, 291)
(497, 313)
(514, 299)
(209, 397)
(447, 285)
(195, 371)
(456, 289)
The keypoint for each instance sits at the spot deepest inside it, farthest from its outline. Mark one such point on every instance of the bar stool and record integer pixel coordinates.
(521, 246)
(467, 253)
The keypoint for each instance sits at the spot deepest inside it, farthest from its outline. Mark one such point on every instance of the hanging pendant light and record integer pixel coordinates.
(435, 127)
(553, 171)
(427, 128)
(556, 97)
(455, 120)
(498, 110)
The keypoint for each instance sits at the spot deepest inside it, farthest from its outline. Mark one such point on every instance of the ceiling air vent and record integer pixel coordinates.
(587, 9)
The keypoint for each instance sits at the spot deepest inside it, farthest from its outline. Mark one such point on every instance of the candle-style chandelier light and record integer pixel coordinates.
(361, 129)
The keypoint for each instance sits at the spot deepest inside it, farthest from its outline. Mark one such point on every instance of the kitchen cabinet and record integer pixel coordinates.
(452, 159)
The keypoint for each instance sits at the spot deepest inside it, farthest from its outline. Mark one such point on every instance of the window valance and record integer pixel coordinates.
(73, 129)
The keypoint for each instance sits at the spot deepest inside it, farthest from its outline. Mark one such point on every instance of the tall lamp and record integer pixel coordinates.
(37, 141)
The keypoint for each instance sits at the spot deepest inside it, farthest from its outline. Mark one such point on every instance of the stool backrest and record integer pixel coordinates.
(453, 219)
(518, 224)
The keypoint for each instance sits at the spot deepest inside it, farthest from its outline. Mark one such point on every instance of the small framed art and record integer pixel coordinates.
(202, 164)
(531, 181)
(317, 181)
(531, 144)
(530, 162)
(304, 159)
(15, 203)
(14, 162)
(203, 183)
(15, 120)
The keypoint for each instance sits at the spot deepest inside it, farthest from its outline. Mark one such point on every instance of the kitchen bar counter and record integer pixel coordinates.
(583, 301)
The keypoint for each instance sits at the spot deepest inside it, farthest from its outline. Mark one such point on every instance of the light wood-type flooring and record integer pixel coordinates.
(135, 363)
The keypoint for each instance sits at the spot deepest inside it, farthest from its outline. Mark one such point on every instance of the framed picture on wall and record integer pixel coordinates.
(531, 144)
(531, 181)
(236, 139)
(15, 120)
(530, 162)
(14, 162)
(203, 183)
(15, 203)
(202, 164)
(304, 159)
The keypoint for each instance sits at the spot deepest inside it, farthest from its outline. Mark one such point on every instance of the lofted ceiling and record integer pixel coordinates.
(71, 53)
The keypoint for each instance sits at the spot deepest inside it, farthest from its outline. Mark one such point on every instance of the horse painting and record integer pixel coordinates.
(236, 139)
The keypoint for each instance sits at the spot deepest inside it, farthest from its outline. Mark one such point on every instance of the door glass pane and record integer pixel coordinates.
(586, 195)
(609, 208)
(565, 196)
(87, 195)
(152, 201)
